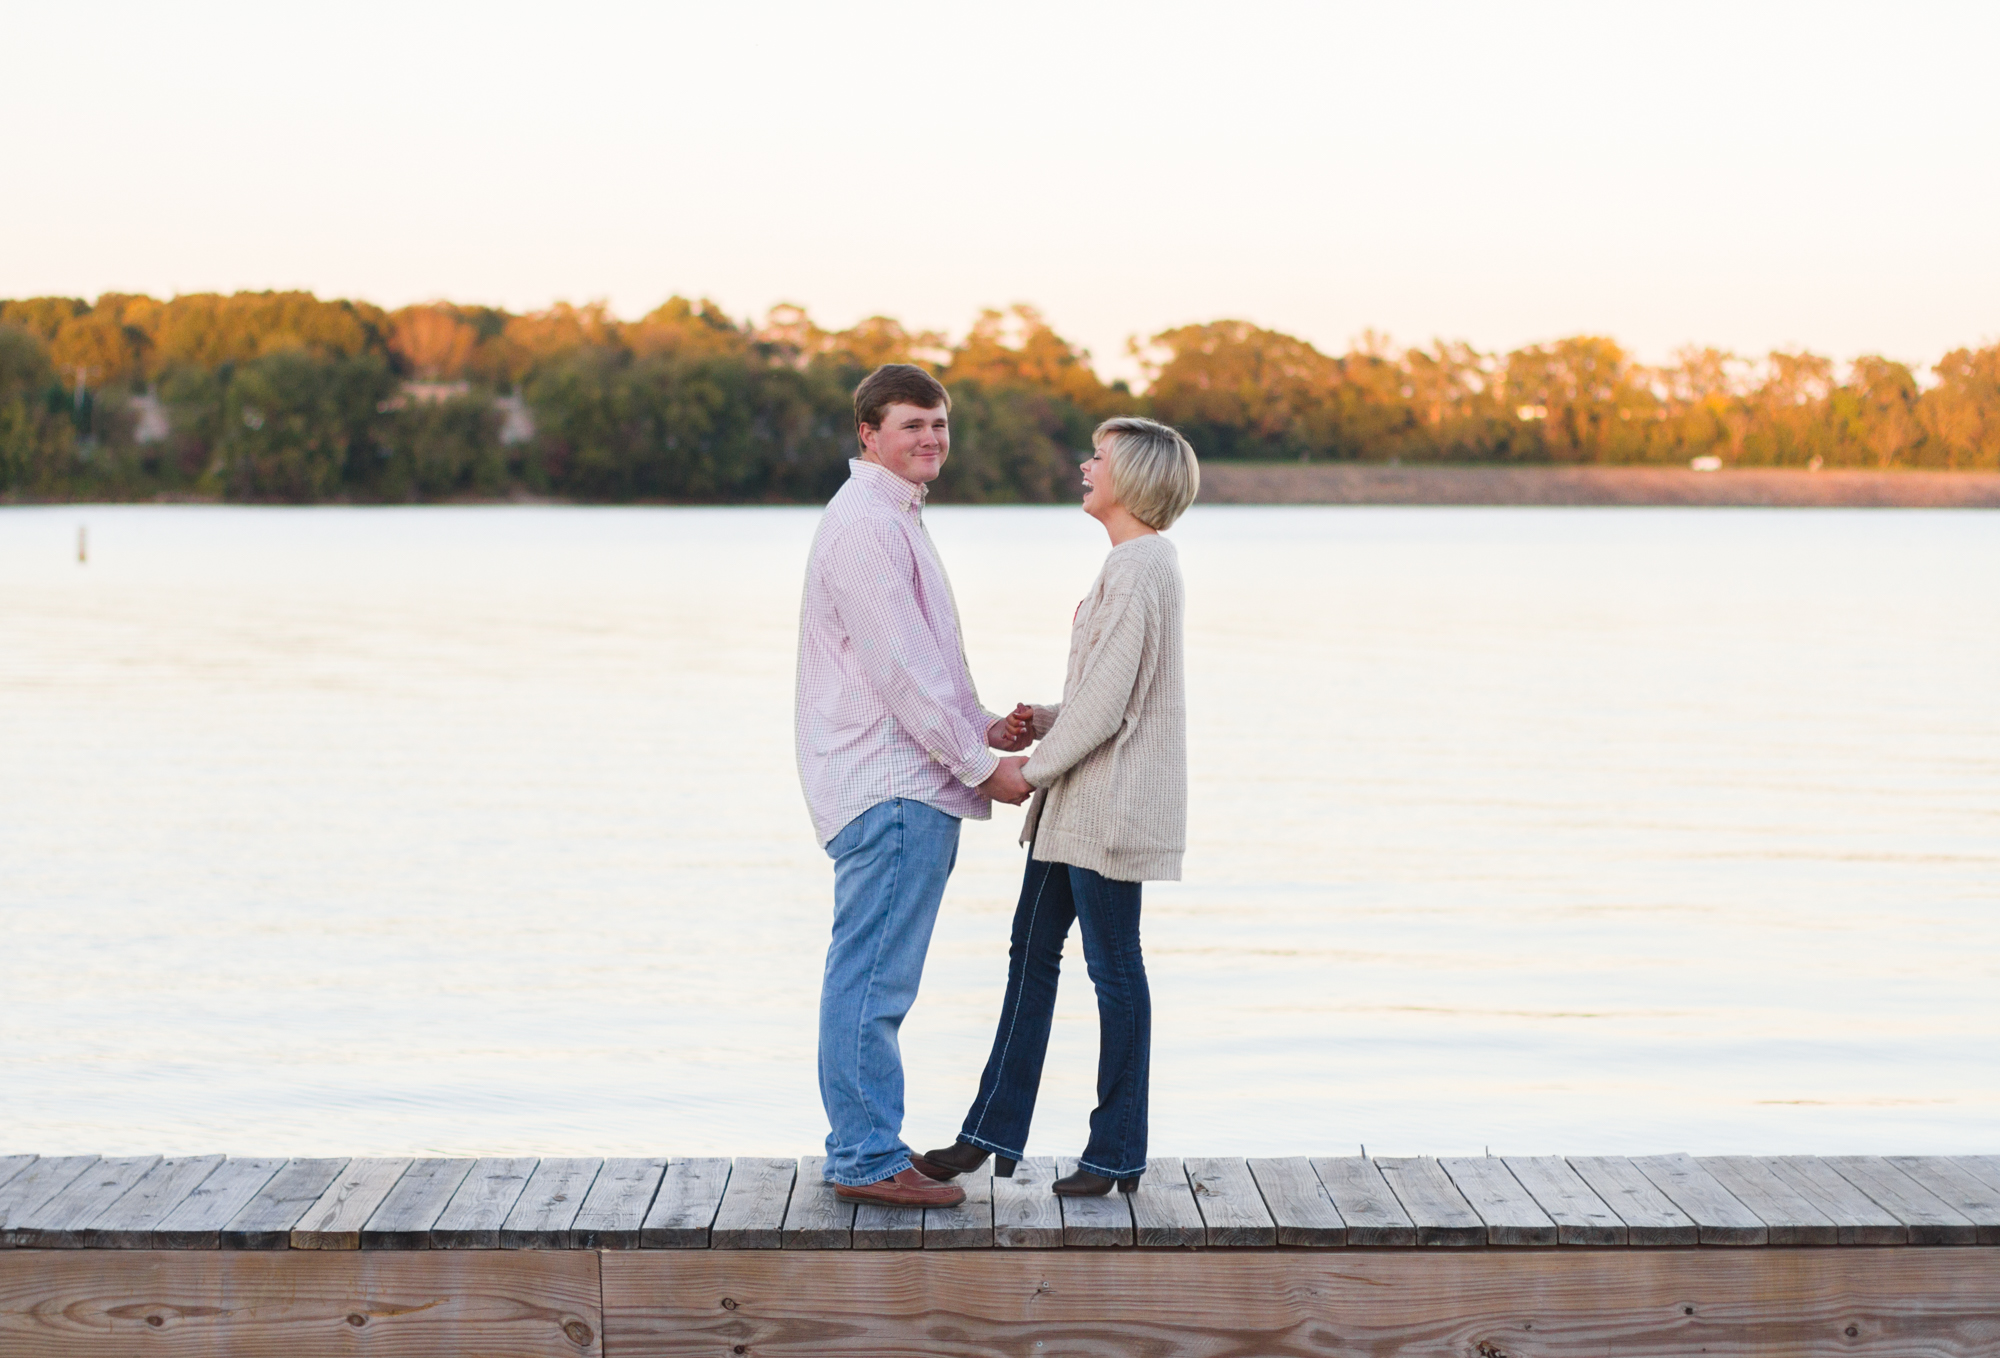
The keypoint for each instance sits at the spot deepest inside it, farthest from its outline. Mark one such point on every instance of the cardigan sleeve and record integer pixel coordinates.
(1093, 712)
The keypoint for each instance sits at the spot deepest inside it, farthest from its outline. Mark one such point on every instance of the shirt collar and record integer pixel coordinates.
(905, 495)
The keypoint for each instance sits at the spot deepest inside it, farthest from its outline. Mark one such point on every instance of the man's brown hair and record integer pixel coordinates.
(893, 383)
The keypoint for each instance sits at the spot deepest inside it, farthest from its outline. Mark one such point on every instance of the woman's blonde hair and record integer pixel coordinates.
(1153, 469)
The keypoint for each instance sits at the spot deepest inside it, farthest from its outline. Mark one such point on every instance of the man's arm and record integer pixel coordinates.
(870, 576)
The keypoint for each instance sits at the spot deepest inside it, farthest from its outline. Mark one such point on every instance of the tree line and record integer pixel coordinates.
(284, 397)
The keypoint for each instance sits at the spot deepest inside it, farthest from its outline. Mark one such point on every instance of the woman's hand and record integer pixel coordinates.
(1013, 732)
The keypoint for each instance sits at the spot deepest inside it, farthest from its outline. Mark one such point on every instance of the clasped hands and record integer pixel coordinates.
(1011, 733)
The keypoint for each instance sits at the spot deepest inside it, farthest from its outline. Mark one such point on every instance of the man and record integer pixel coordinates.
(893, 753)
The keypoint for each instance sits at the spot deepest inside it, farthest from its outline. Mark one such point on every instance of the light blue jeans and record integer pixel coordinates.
(890, 864)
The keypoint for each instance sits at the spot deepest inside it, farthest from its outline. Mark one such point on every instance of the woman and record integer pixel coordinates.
(1109, 812)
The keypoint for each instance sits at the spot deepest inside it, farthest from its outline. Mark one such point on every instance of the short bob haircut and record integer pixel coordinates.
(892, 384)
(1153, 469)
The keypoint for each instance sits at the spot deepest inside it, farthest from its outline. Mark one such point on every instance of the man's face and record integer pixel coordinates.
(911, 441)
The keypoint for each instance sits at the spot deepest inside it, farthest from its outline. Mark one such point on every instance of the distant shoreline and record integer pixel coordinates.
(1353, 483)
(1375, 483)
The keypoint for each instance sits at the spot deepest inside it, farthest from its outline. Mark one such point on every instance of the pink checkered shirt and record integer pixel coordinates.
(886, 706)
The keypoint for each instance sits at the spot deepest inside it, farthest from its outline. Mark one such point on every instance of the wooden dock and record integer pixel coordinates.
(1486, 1257)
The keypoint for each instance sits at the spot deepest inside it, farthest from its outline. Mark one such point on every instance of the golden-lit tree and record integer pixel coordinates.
(432, 341)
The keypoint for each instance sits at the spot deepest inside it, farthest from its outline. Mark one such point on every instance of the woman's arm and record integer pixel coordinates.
(1092, 714)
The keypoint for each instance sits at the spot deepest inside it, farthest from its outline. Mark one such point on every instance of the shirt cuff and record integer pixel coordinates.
(977, 770)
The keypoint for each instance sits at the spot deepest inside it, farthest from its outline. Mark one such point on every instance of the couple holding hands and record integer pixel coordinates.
(895, 750)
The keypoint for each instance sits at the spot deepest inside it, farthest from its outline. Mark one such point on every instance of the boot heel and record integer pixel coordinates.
(1130, 1185)
(1003, 1167)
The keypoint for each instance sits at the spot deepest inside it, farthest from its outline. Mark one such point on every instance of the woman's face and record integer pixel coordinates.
(1098, 499)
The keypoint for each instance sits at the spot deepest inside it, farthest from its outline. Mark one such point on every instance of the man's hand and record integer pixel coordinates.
(1015, 731)
(1006, 783)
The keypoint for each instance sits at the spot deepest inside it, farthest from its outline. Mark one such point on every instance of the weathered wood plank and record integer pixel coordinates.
(1094, 1222)
(541, 1217)
(1985, 1168)
(1581, 1217)
(476, 1212)
(814, 1218)
(1301, 1209)
(1790, 1218)
(197, 1223)
(1164, 1215)
(968, 1226)
(878, 1227)
(334, 1222)
(1858, 1218)
(1366, 1204)
(37, 1182)
(1510, 1212)
(1720, 1218)
(1440, 1214)
(1959, 1189)
(615, 1209)
(1931, 1221)
(1650, 1217)
(10, 1165)
(1579, 1303)
(405, 1218)
(128, 1223)
(60, 1222)
(684, 1208)
(266, 1221)
(299, 1304)
(752, 1214)
(1026, 1215)
(1231, 1208)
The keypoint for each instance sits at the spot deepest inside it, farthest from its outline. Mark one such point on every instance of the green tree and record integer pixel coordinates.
(300, 428)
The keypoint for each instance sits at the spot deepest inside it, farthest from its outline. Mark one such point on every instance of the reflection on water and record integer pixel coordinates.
(461, 830)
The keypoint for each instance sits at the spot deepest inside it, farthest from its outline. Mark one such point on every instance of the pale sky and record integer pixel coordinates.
(1746, 175)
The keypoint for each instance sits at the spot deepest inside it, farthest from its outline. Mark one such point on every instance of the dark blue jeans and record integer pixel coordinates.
(1052, 895)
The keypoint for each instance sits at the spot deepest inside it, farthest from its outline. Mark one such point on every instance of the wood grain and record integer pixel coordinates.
(1788, 1216)
(1372, 1214)
(298, 1304)
(1858, 1218)
(197, 1223)
(968, 1226)
(1510, 1212)
(1716, 1213)
(1301, 1208)
(1164, 1215)
(752, 1214)
(1650, 1216)
(334, 1222)
(1094, 1222)
(405, 1218)
(1485, 1303)
(10, 1165)
(473, 1217)
(1581, 1217)
(1931, 1221)
(815, 1219)
(62, 1221)
(1026, 1215)
(265, 1222)
(36, 1183)
(1232, 1210)
(615, 1209)
(880, 1227)
(1958, 1188)
(128, 1223)
(1440, 1214)
(541, 1217)
(684, 1208)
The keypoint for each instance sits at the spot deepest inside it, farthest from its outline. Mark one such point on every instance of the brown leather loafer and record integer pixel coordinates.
(907, 1189)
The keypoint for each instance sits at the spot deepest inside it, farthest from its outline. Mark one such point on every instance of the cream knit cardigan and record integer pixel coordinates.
(1111, 771)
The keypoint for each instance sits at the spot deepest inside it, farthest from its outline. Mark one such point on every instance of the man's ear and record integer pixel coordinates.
(867, 433)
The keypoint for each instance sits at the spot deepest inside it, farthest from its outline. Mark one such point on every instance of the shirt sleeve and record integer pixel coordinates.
(1092, 714)
(870, 575)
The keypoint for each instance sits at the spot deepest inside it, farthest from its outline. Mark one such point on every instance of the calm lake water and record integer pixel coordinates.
(475, 830)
